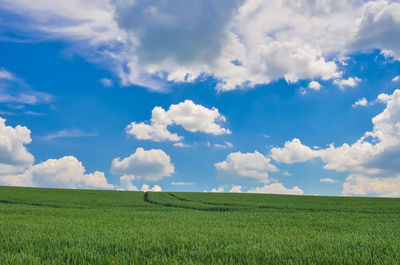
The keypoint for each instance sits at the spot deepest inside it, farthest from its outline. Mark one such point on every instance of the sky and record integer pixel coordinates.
(284, 96)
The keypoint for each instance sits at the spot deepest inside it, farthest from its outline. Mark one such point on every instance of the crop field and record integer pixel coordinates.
(51, 226)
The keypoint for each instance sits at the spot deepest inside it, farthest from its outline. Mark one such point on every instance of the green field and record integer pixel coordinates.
(51, 226)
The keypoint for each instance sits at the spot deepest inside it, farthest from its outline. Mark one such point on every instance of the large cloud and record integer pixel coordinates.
(380, 27)
(375, 155)
(240, 43)
(253, 167)
(66, 172)
(86, 21)
(150, 165)
(362, 185)
(16, 165)
(192, 117)
(14, 156)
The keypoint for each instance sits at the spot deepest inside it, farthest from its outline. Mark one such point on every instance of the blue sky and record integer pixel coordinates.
(244, 100)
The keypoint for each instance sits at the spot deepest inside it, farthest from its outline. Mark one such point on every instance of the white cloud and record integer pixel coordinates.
(181, 145)
(14, 157)
(125, 183)
(361, 185)
(253, 167)
(236, 189)
(151, 165)
(74, 133)
(29, 97)
(240, 43)
(225, 145)
(6, 75)
(106, 82)
(328, 180)
(16, 165)
(293, 152)
(14, 90)
(362, 102)
(379, 27)
(72, 21)
(220, 189)
(196, 118)
(155, 188)
(156, 130)
(375, 155)
(383, 98)
(182, 183)
(277, 188)
(314, 85)
(349, 82)
(192, 117)
(65, 172)
(396, 78)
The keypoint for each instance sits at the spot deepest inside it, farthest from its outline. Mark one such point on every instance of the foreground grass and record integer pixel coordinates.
(49, 226)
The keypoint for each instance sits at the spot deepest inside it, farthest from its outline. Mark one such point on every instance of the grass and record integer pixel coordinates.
(50, 226)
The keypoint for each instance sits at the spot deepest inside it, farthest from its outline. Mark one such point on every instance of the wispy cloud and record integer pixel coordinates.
(225, 145)
(180, 144)
(15, 90)
(182, 183)
(29, 97)
(75, 133)
(106, 82)
(6, 75)
(328, 180)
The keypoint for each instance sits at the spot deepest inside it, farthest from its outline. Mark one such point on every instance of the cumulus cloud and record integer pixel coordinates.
(396, 78)
(192, 117)
(125, 183)
(293, 152)
(236, 189)
(240, 43)
(379, 27)
(14, 157)
(155, 188)
(362, 102)
(65, 172)
(253, 167)
(314, 85)
(156, 130)
(362, 185)
(219, 189)
(277, 188)
(375, 155)
(150, 165)
(383, 98)
(349, 82)
(17, 166)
